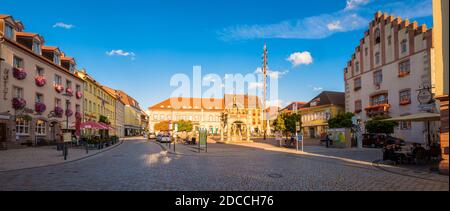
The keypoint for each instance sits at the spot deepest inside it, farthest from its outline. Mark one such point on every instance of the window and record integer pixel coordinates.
(358, 84)
(41, 128)
(17, 62)
(358, 106)
(405, 125)
(377, 36)
(85, 105)
(68, 84)
(377, 58)
(78, 108)
(57, 103)
(9, 32)
(389, 40)
(68, 105)
(366, 51)
(56, 59)
(379, 100)
(404, 68)
(378, 77)
(78, 88)
(357, 67)
(22, 126)
(72, 68)
(39, 98)
(162, 117)
(57, 80)
(17, 92)
(404, 46)
(37, 47)
(405, 97)
(90, 106)
(39, 71)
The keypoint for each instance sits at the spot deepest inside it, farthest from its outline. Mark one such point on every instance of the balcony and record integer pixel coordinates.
(378, 110)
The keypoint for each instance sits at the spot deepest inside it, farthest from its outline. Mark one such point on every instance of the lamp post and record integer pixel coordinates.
(65, 148)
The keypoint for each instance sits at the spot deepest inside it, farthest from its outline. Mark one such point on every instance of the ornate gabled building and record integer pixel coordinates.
(391, 73)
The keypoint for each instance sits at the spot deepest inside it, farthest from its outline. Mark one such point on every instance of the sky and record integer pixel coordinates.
(137, 46)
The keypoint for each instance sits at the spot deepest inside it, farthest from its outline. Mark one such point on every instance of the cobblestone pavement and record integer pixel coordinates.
(143, 166)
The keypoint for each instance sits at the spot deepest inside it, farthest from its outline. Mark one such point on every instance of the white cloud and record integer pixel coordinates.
(353, 4)
(300, 58)
(318, 89)
(63, 25)
(123, 53)
(355, 16)
(334, 26)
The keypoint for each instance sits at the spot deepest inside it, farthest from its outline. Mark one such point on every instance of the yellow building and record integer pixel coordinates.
(317, 112)
(98, 101)
(133, 112)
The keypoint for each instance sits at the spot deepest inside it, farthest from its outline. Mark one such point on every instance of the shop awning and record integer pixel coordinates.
(92, 125)
(421, 117)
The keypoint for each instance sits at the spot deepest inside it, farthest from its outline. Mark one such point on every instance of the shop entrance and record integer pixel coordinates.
(3, 136)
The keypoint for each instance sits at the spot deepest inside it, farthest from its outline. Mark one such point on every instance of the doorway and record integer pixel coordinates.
(3, 136)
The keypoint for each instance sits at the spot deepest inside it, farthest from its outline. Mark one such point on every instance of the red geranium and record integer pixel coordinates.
(19, 73)
(40, 81)
(40, 107)
(59, 88)
(59, 112)
(79, 95)
(19, 103)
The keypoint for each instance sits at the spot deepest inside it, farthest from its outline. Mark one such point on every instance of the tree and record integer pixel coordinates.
(377, 125)
(342, 120)
(287, 123)
(279, 124)
(185, 126)
(162, 126)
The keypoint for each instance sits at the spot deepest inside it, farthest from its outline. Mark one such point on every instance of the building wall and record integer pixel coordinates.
(120, 119)
(420, 54)
(8, 82)
(317, 118)
(201, 119)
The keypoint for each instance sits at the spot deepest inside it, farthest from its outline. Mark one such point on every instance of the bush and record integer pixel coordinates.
(377, 125)
(342, 120)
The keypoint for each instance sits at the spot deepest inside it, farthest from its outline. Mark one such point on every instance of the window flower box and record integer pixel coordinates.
(59, 88)
(69, 113)
(403, 74)
(59, 112)
(19, 73)
(405, 102)
(40, 107)
(40, 81)
(79, 95)
(69, 91)
(19, 103)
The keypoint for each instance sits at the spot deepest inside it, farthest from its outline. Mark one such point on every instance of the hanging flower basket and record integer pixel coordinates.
(40, 107)
(69, 91)
(40, 81)
(78, 115)
(79, 95)
(69, 113)
(19, 103)
(59, 112)
(59, 88)
(19, 73)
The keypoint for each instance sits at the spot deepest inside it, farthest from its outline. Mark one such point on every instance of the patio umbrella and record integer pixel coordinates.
(92, 125)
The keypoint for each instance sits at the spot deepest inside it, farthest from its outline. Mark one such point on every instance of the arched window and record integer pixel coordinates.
(377, 36)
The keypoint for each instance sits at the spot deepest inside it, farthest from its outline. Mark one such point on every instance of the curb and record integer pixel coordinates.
(376, 164)
(67, 162)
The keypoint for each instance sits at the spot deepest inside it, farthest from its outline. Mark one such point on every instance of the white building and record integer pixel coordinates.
(392, 62)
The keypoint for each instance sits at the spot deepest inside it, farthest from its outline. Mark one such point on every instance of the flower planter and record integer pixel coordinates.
(19, 73)
(79, 95)
(69, 113)
(19, 103)
(59, 112)
(40, 81)
(40, 107)
(59, 88)
(69, 92)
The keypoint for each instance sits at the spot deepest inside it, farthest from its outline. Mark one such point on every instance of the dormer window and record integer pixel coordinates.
(72, 68)
(9, 32)
(37, 47)
(56, 59)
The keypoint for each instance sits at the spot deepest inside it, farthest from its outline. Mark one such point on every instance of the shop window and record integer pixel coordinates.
(22, 126)
(41, 128)
(405, 125)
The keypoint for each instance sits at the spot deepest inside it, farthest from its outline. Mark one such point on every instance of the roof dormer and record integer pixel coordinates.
(8, 27)
(52, 54)
(31, 41)
(68, 63)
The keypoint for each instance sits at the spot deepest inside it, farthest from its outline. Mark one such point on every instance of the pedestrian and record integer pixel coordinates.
(327, 140)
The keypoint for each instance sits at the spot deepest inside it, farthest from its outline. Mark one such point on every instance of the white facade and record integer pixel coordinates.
(402, 52)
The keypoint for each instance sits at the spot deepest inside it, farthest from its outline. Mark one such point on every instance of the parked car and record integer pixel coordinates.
(165, 139)
(152, 136)
(381, 140)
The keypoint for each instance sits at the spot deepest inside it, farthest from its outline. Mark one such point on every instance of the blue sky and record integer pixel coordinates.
(137, 46)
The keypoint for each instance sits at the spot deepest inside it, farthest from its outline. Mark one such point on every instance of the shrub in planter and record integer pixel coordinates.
(40, 107)
(59, 112)
(19, 103)
(40, 81)
(59, 88)
(79, 95)
(19, 73)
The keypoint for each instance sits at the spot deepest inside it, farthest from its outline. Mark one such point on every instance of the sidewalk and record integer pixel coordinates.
(17, 159)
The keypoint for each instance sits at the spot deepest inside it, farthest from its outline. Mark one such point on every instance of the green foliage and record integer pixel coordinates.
(290, 122)
(279, 124)
(104, 119)
(342, 120)
(377, 125)
(185, 126)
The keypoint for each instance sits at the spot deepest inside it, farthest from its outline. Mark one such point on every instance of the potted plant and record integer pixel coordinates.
(40, 81)
(19, 103)
(59, 88)
(19, 73)
(69, 91)
(79, 95)
(40, 107)
(59, 112)
(69, 113)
